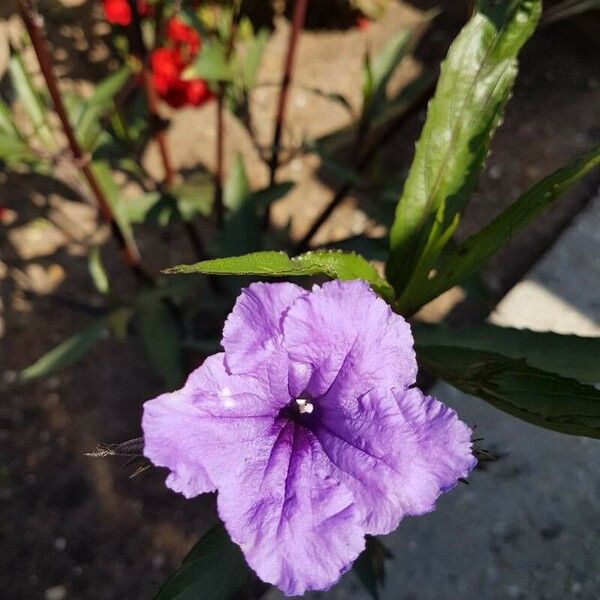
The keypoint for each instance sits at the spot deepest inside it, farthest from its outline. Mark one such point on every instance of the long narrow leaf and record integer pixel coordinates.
(475, 83)
(31, 100)
(334, 264)
(533, 395)
(471, 255)
(66, 353)
(566, 355)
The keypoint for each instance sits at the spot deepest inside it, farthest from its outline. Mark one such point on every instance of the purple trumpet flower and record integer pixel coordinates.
(309, 429)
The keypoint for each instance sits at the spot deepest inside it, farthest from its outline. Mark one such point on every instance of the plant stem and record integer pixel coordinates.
(34, 25)
(298, 19)
(219, 160)
(138, 49)
(362, 160)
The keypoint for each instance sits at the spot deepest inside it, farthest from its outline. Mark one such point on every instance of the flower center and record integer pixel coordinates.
(304, 406)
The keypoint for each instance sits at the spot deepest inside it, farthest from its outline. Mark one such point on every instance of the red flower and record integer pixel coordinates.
(117, 12)
(363, 23)
(167, 66)
(183, 36)
(197, 92)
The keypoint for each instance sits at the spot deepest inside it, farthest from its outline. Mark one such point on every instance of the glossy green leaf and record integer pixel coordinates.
(214, 569)
(570, 356)
(533, 395)
(472, 254)
(334, 264)
(31, 100)
(97, 272)
(475, 82)
(66, 353)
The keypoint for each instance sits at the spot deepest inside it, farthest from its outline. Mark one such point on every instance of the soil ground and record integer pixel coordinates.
(76, 527)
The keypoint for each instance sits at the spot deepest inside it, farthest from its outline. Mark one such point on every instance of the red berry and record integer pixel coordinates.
(117, 12)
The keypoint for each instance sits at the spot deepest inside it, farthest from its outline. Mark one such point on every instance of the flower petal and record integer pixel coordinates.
(396, 452)
(201, 428)
(295, 523)
(344, 330)
(255, 323)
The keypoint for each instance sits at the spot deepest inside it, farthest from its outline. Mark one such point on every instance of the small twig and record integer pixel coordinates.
(298, 19)
(34, 25)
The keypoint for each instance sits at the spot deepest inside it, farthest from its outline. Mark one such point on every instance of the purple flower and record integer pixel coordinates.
(308, 427)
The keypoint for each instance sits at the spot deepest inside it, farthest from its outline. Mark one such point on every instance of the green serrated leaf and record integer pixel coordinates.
(566, 355)
(66, 353)
(337, 265)
(214, 569)
(475, 83)
(97, 272)
(255, 48)
(533, 395)
(31, 100)
(467, 258)
(13, 150)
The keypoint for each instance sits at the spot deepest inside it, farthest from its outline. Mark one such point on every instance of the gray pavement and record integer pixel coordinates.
(528, 526)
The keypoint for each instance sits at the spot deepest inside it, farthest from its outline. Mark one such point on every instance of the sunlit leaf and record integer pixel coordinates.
(211, 64)
(97, 272)
(467, 258)
(31, 100)
(334, 264)
(475, 82)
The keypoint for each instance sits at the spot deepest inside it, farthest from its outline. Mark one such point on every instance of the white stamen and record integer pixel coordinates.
(304, 406)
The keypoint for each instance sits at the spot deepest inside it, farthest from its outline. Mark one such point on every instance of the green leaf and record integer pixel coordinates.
(66, 353)
(88, 124)
(381, 68)
(31, 100)
(7, 124)
(161, 335)
(533, 395)
(14, 150)
(105, 178)
(369, 567)
(215, 569)
(254, 51)
(472, 254)
(475, 83)
(97, 272)
(211, 64)
(566, 355)
(334, 264)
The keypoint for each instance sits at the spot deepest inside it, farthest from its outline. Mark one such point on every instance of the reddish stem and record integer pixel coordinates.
(298, 19)
(34, 23)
